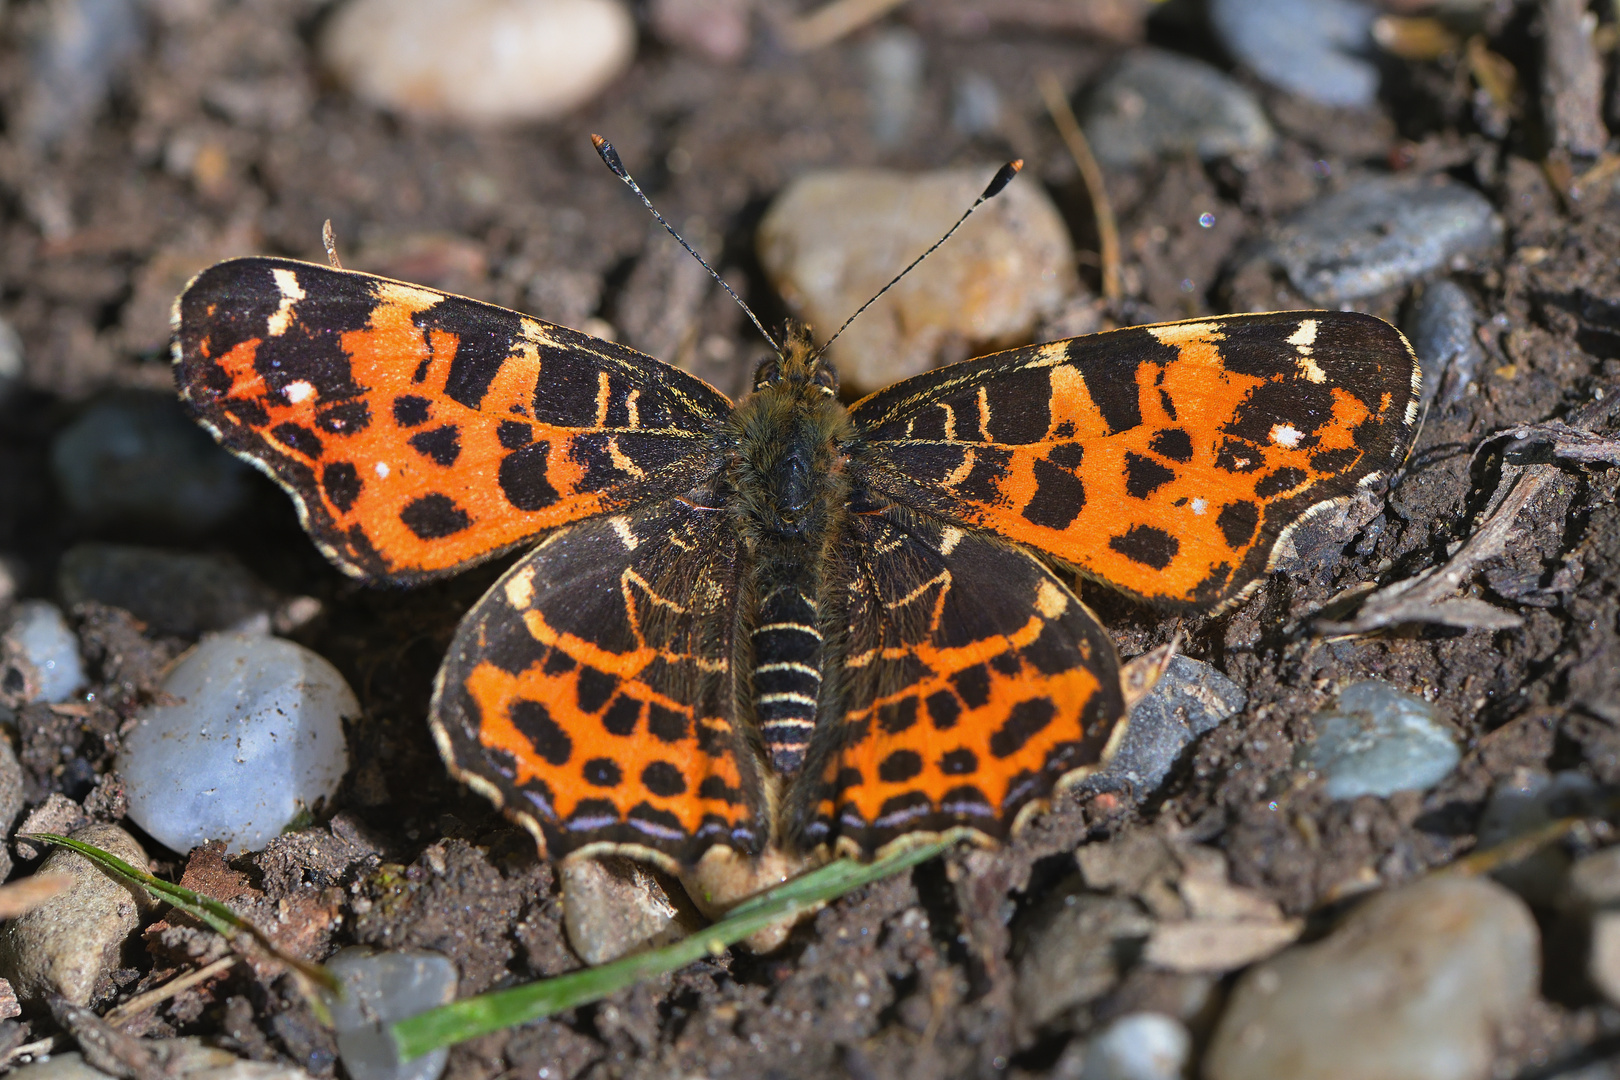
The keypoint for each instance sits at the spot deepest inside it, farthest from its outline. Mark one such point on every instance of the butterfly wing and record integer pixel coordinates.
(1164, 460)
(420, 432)
(590, 692)
(974, 681)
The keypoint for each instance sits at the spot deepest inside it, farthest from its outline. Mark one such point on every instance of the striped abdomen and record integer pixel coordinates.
(787, 675)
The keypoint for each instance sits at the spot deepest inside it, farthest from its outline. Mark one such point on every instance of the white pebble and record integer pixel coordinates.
(1138, 1046)
(39, 656)
(255, 738)
(380, 988)
(480, 61)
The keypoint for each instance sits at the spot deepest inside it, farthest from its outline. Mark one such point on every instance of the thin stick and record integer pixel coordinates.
(329, 241)
(138, 1004)
(1003, 177)
(610, 157)
(833, 21)
(1057, 104)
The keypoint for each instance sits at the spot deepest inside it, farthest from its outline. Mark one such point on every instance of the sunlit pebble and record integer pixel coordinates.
(479, 61)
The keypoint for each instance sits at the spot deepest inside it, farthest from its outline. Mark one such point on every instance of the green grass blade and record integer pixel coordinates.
(470, 1017)
(206, 909)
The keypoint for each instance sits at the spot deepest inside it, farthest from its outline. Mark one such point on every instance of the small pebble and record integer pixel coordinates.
(253, 740)
(479, 61)
(1379, 235)
(832, 239)
(895, 60)
(1155, 103)
(1189, 700)
(379, 988)
(80, 48)
(1442, 325)
(1073, 949)
(1594, 891)
(39, 656)
(1318, 49)
(56, 814)
(614, 906)
(73, 940)
(717, 29)
(976, 105)
(173, 592)
(1415, 985)
(1137, 1046)
(137, 458)
(1378, 741)
(11, 360)
(1520, 804)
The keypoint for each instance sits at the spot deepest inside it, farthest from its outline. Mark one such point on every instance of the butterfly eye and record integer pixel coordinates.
(767, 372)
(826, 377)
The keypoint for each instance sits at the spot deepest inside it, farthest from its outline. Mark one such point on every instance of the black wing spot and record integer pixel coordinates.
(593, 688)
(989, 466)
(972, 685)
(713, 787)
(1067, 455)
(620, 718)
(1237, 522)
(433, 517)
(662, 778)
(1020, 406)
(1058, 499)
(522, 476)
(558, 663)
(602, 772)
(667, 725)
(1236, 456)
(341, 482)
(1144, 476)
(344, 417)
(1285, 479)
(1174, 444)
(897, 716)
(412, 411)
(1027, 719)
(944, 710)
(442, 445)
(1146, 545)
(533, 721)
(299, 438)
(1335, 461)
(900, 766)
(961, 762)
(514, 434)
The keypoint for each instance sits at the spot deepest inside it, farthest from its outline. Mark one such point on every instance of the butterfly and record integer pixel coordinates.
(782, 624)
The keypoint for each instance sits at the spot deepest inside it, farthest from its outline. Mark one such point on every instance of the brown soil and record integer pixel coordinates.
(913, 976)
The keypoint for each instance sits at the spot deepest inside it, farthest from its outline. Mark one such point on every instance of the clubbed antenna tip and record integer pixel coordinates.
(1003, 177)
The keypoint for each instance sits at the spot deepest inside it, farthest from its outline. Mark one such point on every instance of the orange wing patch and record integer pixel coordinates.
(1165, 460)
(590, 691)
(421, 432)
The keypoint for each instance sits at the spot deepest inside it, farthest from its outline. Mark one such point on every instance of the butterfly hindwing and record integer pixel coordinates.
(973, 682)
(1164, 460)
(420, 432)
(591, 693)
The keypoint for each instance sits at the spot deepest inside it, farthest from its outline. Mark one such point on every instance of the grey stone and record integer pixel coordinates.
(136, 458)
(380, 988)
(1416, 984)
(1443, 324)
(1318, 49)
(895, 60)
(1137, 1046)
(1156, 103)
(614, 906)
(69, 943)
(253, 737)
(173, 592)
(1379, 235)
(1377, 741)
(39, 656)
(1189, 700)
(1072, 950)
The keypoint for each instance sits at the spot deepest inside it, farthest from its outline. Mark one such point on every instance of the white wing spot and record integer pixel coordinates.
(621, 525)
(381, 469)
(298, 392)
(1286, 435)
(1305, 336)
(519, 588)
(1050, 601)
(1199, 506)
(291, 293)
(949, 539)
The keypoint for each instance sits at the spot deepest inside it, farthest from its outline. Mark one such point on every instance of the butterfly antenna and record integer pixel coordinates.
(610, 157)
(1003, 177)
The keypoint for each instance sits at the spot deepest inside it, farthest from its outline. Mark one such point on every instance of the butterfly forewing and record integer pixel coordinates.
(420, 432)
(1163, 460)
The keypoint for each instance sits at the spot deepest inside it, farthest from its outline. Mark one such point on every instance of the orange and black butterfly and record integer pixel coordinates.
(781, 624)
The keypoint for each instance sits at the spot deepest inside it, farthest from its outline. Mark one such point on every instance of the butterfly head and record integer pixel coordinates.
(799, 368)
